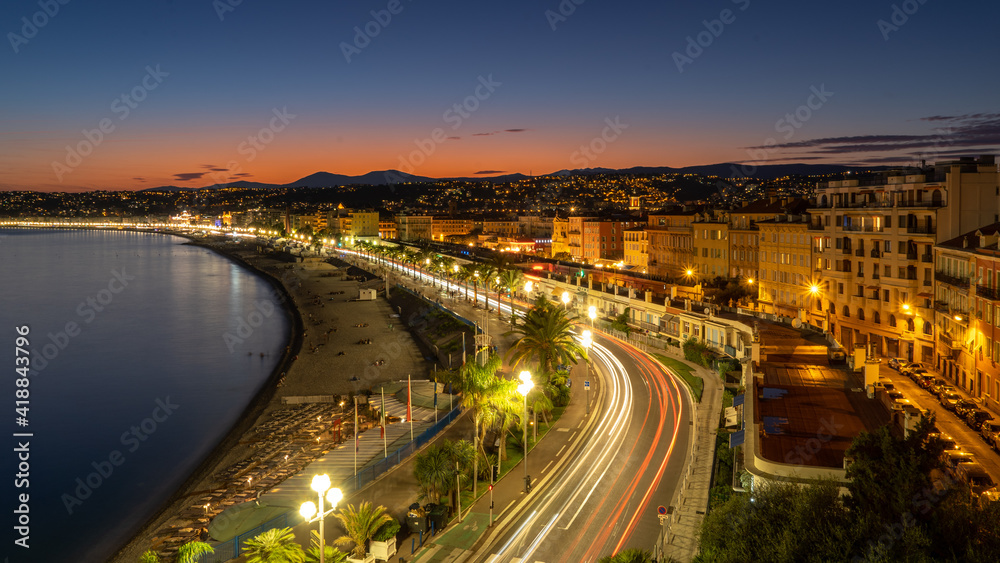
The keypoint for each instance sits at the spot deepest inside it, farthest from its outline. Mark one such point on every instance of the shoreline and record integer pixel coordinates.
(244, 423)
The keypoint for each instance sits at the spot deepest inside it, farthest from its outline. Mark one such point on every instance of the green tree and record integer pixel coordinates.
(545, 336)
(331, 554)
(488, 397)
(435, 472)
(361, 523)
(191, 551)
(511, 280)
(621, 322)
(274, 546)
(149, 556)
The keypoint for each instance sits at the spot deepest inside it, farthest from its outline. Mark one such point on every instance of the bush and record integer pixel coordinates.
(387, 531)
(697, 352)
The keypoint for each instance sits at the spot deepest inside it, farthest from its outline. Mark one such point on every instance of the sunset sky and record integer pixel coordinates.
(191, 93)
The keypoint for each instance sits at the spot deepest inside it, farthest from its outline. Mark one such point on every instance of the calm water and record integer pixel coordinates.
(137, 395)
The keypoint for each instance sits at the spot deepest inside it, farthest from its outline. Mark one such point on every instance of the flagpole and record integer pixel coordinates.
(355, 440)
(385, 447)
(435, 394)
(409, 409)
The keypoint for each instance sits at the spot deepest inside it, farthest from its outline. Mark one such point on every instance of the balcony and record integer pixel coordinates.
(813, 227)
(921, 230)
(992, 293)
(861, 274)
(962, 283)
(875, 276)
(876, 253)
(927, 258)
(911, 255)
(847, 250)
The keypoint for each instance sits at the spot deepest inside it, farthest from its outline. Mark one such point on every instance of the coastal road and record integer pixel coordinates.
(606, 496)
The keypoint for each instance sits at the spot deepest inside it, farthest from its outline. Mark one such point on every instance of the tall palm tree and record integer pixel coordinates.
(488, 275)
(192, 550)
(471, 271)
(488, 396)
(511, 280)
(447, 268)
(462, 276)
(360, 523)
(545, 336)
(274, 546)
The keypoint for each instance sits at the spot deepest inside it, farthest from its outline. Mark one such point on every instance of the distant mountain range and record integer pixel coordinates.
(386, 177)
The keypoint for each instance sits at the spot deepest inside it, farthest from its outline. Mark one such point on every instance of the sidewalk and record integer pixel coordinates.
(690, 500)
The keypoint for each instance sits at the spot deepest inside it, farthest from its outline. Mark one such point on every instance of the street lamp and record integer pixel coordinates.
(592, 313)
(587, 341)
(524, 388)
(308, 510)
(565, 300)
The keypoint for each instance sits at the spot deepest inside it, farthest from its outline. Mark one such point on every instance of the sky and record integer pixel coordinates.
(131, 95)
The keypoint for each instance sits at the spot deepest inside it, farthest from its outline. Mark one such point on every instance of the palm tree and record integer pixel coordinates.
(274, 546)
(149, 556)
(447, 268)
(489, 398)
(192, 550)
(511, 280)
(331, 555)
(631, 555)
(545, 336)
(361, 523)
(433, 470)
(471, 274)
(488, 274)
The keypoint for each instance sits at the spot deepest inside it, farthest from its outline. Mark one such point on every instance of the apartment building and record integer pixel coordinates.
(710, 253)
(364, 224)
(387, 229)
(574, 235)
(873, 247)
(411, 228)
(444, 226)
(637, 248)
(560, 236)
(671, 241)
(744, 237)
(787, 285)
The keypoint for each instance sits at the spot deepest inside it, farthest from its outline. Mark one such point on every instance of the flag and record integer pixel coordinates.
(381, 413)
(357, 442)
(409, 412)
(435, 391)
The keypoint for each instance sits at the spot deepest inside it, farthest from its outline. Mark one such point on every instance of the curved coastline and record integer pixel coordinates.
(247, 418)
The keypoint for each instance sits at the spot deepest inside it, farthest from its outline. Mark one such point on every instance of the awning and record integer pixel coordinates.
(732, 419)
(736, 438)
(925, 295)
(738, 400)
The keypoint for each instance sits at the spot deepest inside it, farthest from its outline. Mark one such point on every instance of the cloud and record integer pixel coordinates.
(243, 174)
(137, 179)
(499, 132)
(208, 166)
(516, 130)
(219, 169)
(490, 172)
(952, 135)
(484, 134)
(188, 176)
(453, 138)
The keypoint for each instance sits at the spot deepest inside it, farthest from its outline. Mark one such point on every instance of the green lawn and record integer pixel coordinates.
(684, 372)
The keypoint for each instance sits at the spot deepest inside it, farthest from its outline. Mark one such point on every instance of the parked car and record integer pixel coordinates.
(979, 480)
(976, 417)
(896, 363)
(990, 431)
(910, 366)
(945, 389)
(963, 407)
(936, 385)
(954, 458)
(916, 373)
(950, 399)
(924, 380)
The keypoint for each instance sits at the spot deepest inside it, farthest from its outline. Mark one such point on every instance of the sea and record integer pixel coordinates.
(142, 352)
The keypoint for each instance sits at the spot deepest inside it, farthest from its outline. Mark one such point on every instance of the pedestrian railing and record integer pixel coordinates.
(232, 548)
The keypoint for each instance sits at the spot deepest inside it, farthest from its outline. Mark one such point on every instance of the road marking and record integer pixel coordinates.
(571, 436)
(508, 506)
(562, 429)
(561, 450)
(544, 469)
